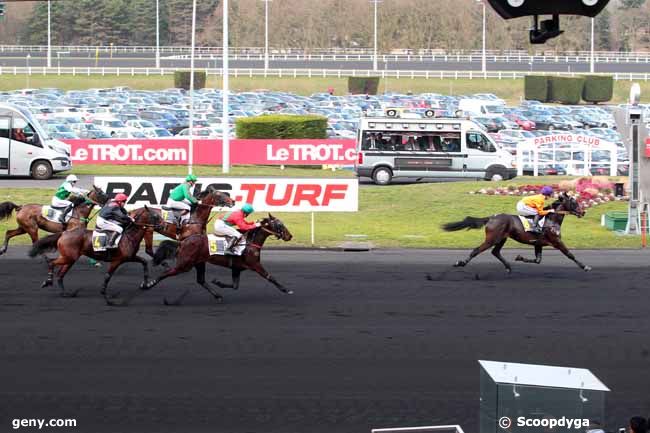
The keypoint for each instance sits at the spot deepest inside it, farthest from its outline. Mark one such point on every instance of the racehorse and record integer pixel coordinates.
(199, 217)
(72, 244)
(193, 252)
(30, 216)
(499, 228)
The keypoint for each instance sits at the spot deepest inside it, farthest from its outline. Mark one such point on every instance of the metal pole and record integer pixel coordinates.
(484, 58)
(157, 34)
(266, 34)
(312, 229)
(49, 34)
(374, 58)
(225, 140)
(191, 134)
(592, 65)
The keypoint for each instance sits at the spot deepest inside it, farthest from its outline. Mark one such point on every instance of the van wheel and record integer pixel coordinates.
(382, 176)
(495, 174)
(41, 170)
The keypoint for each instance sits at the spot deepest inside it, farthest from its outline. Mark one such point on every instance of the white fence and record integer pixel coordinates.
(294, 73)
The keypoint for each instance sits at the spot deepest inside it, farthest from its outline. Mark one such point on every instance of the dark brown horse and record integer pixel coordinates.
(73, 244)
(199, 217)
(499, 228)
(192, 252)
(30, 216)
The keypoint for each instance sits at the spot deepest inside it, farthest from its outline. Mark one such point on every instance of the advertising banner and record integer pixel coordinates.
(208, 152)
(265, 194)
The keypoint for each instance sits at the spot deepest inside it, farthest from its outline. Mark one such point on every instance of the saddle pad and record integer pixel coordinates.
(528, 224)
(54, 214)
(216, 245)
(170, 216)
(99, 241)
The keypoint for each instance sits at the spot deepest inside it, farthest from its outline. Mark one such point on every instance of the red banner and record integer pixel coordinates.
(208, 152)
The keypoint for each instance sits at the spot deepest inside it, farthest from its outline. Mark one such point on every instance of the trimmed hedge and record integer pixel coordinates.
(363, 85)
(598, 88)
(279, 126)
(182, 79)
(565, 90)
(536, 88)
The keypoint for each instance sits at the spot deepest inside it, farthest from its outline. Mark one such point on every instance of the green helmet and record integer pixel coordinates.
(191, 178)
(247, 208)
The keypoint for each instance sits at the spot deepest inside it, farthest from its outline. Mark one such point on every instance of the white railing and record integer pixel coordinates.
(358, 53)
(288, 73)
(438, 428)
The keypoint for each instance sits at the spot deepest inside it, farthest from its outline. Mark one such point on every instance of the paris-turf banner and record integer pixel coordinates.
(208, 152)
(265, 194)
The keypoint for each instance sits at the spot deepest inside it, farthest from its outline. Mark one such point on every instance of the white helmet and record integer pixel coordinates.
(71, 178)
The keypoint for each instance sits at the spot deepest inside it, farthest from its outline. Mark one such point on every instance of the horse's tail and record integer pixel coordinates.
(166, 250)
(6, 209)
(45, 245)
(467, 223)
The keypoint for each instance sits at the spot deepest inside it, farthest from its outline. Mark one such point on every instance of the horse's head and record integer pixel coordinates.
(146, 217)
(569, 204)
(213, 197)
(276, 227)
(98, 195)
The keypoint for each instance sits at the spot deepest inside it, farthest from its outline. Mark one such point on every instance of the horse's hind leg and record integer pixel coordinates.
(50, 273)
(10, 234)
(538, 256)
(496, 252)
(62, 271)
(475, 252)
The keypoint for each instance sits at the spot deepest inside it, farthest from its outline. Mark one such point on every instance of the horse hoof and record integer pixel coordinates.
(508, 270)
(587, 268)
(289, 292)
(459, 264)
(115, 302)
(519, 258)
(218, 299)
(46, 283)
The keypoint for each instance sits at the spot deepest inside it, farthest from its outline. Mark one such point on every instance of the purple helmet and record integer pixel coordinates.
(547, 191)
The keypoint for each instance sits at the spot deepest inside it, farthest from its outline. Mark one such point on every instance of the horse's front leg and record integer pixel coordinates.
(257, 267)
(557, 243)
(50, 273)
(538, 256)
(148, 242)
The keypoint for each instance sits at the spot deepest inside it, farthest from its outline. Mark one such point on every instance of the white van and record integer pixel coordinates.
(26, 148)
(481, 107)
(447, 148)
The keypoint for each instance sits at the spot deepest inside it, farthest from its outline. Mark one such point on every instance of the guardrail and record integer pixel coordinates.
(351, 53)
(294, 73)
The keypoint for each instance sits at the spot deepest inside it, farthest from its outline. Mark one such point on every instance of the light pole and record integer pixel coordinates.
(484, 55)
(157, 34)
(592, 63)
(49, 34)
(191, 125)
(225, 127)
(266, 34)
(27, 71)
(374, 57)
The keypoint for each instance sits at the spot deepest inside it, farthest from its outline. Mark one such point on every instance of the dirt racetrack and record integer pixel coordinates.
(366, 341)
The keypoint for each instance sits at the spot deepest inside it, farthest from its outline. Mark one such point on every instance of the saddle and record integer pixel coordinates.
(171, 216)
(218, 246)
(54, 213)
(527, 222)
(103, 240)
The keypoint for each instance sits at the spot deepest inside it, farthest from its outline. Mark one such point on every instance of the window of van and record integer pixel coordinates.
(476, 140)
(4, 127)
(396, 141)
(24, 132)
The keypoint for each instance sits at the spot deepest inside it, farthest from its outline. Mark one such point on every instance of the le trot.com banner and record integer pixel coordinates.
(209, 152)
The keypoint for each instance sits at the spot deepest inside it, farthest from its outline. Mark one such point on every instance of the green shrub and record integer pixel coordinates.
(565, 90)
(536, 88)
(281, 126)
(182, 79)
(598, 88)
(363, 85)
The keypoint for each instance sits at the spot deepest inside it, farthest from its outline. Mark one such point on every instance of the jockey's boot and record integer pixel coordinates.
(65, 213)
(233, 241)
(110, 239)
(536, 228)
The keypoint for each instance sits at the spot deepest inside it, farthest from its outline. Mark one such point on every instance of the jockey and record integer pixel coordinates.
(534, 206)
(232, 224)
(181, 199)
(113, 217)
(63, 193)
